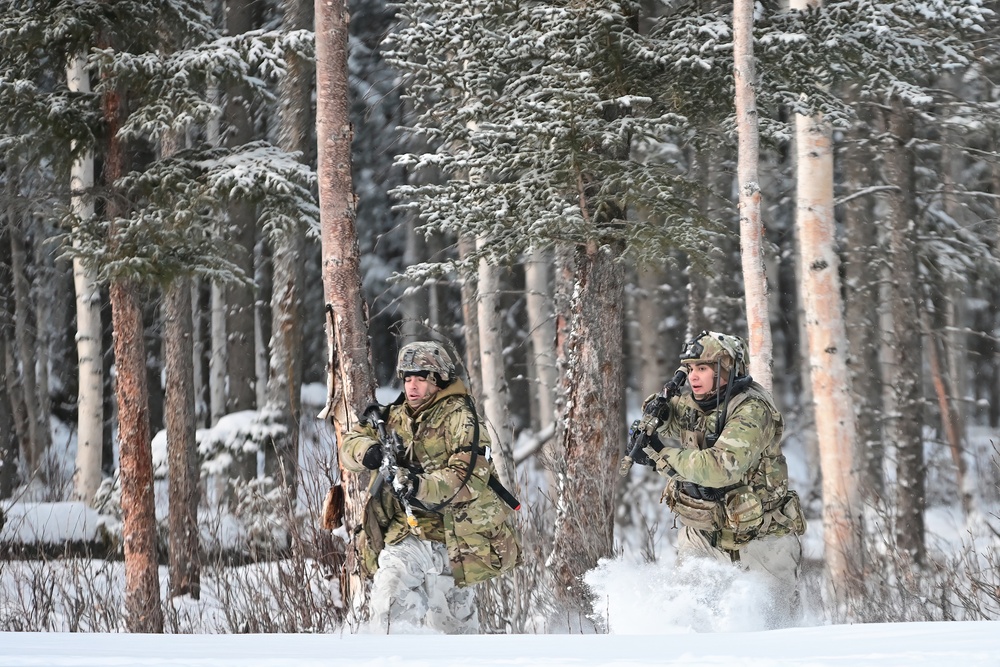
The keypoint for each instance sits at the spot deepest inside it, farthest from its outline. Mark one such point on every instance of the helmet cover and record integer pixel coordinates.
(711, 347)
(425, 357)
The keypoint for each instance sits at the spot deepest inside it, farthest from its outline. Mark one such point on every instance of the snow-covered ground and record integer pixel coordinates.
(971, 644)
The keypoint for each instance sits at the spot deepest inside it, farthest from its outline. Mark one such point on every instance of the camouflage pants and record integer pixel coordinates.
(776, 559)
(413, 590)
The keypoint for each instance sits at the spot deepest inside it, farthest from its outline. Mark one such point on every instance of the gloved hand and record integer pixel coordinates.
(637, 436)
(406, 484)
(372, 458)
(372, 414)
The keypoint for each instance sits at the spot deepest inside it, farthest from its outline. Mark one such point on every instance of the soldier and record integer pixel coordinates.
(458, 533)
(719, 447)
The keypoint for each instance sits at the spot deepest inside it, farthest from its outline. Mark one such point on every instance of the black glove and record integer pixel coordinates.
(372, 458)
(372, 414)
(636, 441)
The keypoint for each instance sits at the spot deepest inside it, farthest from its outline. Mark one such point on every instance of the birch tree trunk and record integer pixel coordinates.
(542, 330)
(90, 400)
(751, 227)
(590, 328)
(904, 305)
(495, 405)
(470, 317)
(827, 340)
(351, 381)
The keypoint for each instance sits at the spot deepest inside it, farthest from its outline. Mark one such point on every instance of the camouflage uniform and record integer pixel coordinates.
(470, 538)
(731, 495)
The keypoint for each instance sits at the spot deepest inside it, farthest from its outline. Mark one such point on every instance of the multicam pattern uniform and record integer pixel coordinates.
(480, 541)
(746, 461)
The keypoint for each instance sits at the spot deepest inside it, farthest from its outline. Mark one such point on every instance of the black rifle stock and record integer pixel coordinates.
(637, 436)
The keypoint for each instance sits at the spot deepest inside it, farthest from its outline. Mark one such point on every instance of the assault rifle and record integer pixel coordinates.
(390, 470)
(642, 429)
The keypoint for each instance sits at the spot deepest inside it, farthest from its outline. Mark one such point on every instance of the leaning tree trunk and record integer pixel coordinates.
(90, 401)
(751, 228)
(827, 339)
(905, 339)
(590, 329)
(351, 380)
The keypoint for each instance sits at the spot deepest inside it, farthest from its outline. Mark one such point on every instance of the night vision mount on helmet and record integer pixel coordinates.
(711, 347)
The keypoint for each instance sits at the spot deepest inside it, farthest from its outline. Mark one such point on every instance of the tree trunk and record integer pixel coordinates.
(241, 372)
(182, 456)
(590, 328)
(351, 380)
(542, 330)
(861, 308)
(284, 387)
(142, 583)
(90, 401)
(751, 228)
(495, 405)
(905, 339)
(827, 339)
(25, 335)
(470, 318)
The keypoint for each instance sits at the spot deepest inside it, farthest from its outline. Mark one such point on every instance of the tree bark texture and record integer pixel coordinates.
(751, 227)
(284, 385)
(827, 339)
(590, 327)
(142, 583)
(182, 455)
(905, 309)
(542, 330)
(861, 309)
(495, 405)
(90, 397)
(351, 380)
(470, 319)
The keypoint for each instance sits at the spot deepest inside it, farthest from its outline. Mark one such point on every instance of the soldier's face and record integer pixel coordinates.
(701, 377)
(418, 390)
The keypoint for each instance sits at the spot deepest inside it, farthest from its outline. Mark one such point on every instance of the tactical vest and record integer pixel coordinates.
(759, 504)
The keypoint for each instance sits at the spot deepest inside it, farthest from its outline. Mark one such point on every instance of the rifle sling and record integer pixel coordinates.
(493, 482)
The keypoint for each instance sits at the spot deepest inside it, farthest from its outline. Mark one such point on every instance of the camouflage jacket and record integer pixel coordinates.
(746, 462)
(439, 438)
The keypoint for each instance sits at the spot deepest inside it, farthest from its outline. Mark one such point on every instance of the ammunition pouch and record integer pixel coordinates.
(786, 517)
(734, 514)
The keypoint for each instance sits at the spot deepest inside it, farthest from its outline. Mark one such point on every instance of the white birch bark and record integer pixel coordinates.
(90, 399)
(823, 310)
(218, 358)
(495, 405)
(751, 227)
(542, 328)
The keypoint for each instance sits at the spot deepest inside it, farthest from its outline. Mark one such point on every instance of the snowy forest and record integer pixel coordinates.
(220, 219)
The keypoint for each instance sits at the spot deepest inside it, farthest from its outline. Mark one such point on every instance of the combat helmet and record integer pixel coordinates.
(711, 347)
(426, 357)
